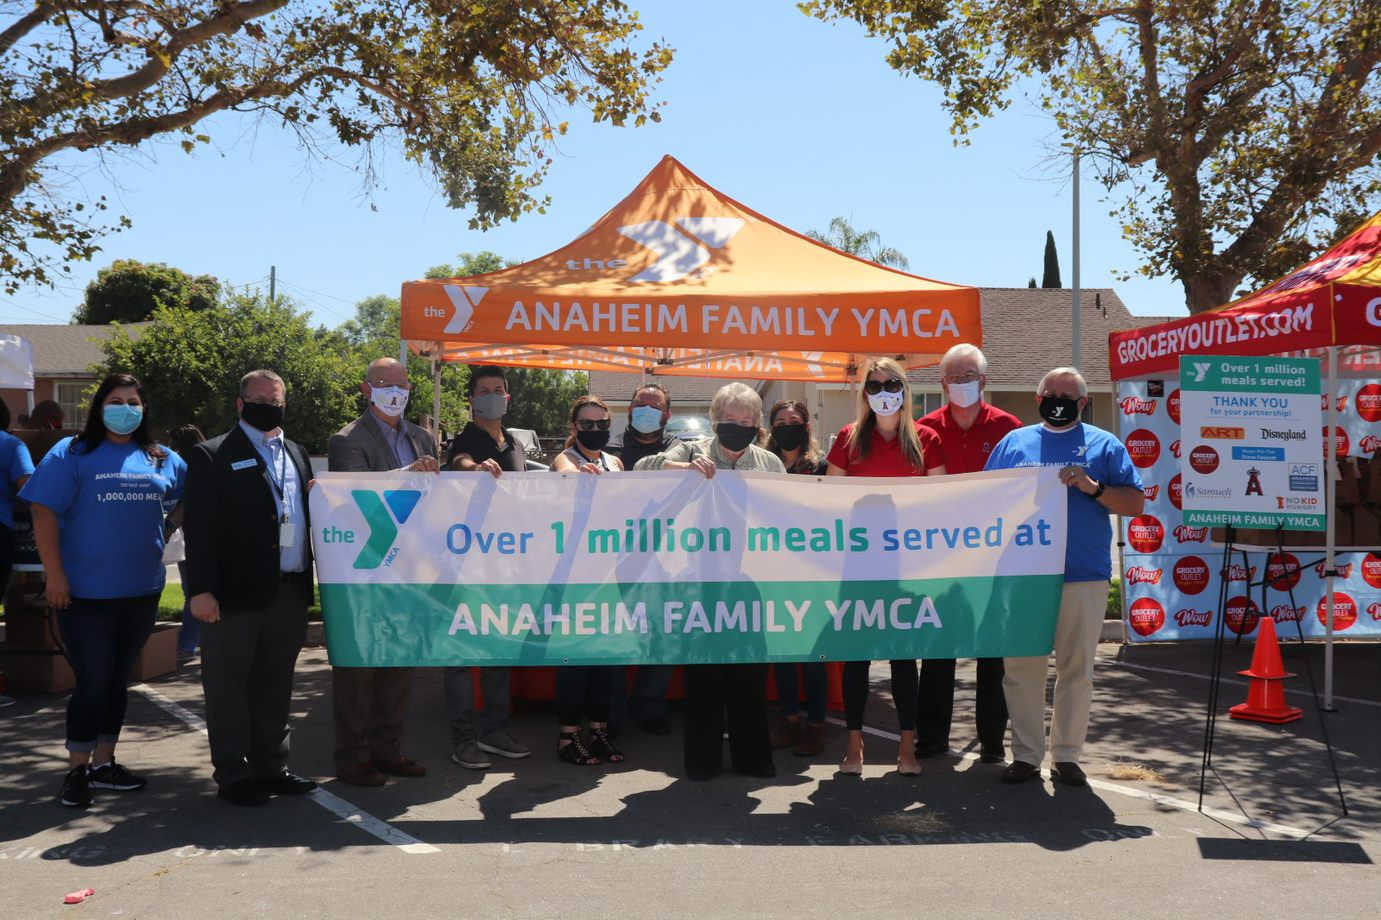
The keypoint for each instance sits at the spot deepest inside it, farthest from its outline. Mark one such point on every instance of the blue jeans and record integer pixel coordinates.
(817, 681)
(102, 639)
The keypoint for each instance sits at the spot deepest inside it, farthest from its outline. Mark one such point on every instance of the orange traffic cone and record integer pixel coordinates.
(1266, 697)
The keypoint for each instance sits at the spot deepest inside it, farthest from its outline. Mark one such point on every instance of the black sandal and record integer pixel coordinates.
(601, 746)
(576, 752)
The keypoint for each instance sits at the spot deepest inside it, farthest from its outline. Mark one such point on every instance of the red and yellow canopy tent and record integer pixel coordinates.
(1329, 308)
(1333, 301)
(680, 279)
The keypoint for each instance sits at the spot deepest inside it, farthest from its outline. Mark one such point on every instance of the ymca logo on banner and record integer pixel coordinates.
(379, 510)
(681, 249)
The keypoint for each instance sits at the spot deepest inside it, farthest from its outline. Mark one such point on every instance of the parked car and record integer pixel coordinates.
(690, 427)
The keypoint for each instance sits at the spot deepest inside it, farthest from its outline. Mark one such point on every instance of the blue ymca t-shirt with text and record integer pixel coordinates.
(15, 463)
(1088, 556)
(109, 504)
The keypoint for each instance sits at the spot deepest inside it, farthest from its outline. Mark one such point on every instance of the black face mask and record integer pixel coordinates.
(262, 415)
(735, 437)
(592, 440)
(1059, 411)
(790, 437)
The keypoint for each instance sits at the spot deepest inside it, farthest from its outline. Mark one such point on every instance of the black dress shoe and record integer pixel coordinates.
(1019, 771)
(931, 749)
(286, 783)
(245, 792)
(997, 755)
(1069, 773)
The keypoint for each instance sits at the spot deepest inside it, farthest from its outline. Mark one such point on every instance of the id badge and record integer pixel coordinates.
(287, 535)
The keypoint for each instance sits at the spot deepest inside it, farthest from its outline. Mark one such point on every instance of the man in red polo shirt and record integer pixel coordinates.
(969, 429)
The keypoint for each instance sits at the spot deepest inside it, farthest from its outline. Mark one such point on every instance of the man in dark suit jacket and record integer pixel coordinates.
(371, 703)
(249, 580)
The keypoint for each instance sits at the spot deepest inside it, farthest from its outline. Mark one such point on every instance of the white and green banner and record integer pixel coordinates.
(669, 567)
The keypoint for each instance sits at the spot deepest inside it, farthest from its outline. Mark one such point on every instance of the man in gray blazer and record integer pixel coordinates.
(370, 703)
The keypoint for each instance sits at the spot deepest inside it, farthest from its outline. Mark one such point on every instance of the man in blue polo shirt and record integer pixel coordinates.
(1101, 480)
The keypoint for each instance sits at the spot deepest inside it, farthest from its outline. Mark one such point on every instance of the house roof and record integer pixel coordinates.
(1026, 332)
(67, 351)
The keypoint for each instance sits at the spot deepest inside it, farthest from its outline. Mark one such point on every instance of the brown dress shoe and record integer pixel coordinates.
(812, 740)
(361, 774)
(789, 734)
(400, 766)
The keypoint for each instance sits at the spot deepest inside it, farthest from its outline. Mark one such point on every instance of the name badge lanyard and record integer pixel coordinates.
(279, 484)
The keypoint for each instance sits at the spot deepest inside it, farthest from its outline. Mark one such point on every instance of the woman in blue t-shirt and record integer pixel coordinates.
(97, 503)
(16, 466)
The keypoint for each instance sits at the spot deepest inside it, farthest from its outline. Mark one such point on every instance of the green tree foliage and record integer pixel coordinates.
(541, 399)
(1051, 277)
(866, 244)
(373, 334)
(469, 263)
(128, 291)
(191, 361)
(1234, 133)
(1032, 282)
(468, 91)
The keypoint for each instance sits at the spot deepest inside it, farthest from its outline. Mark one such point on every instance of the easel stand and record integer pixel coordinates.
(1216, 670)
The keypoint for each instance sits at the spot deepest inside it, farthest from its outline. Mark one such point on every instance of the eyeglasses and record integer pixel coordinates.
(874, 387)
(590, 424)
(969, 377)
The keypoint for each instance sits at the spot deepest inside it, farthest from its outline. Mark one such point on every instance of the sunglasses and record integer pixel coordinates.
(874, 387)
(590, 424)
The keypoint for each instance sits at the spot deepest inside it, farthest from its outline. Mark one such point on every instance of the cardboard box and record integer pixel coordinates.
(1349, 487)
(1366, 527)
(159, 655)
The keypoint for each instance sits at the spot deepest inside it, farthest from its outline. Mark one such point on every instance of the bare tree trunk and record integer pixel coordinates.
(1209, 288)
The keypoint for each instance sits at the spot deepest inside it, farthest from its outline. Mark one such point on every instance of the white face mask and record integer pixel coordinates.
(964, 395)
(391, 401)
(885, 403)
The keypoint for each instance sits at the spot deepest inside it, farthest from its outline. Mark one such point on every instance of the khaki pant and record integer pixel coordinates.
(1076, 641)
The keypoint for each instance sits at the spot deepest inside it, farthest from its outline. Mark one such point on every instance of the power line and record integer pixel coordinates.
(16, 303)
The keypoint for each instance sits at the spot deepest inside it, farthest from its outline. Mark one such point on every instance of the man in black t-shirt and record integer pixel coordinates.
(484, 445)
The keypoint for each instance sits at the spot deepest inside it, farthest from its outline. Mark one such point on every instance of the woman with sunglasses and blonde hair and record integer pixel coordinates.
(884, 440)
(586, 690)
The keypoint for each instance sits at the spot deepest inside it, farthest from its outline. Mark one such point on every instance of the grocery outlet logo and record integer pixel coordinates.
(379, 510)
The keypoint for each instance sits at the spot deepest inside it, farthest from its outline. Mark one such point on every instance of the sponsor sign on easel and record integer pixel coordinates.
(1252, 443)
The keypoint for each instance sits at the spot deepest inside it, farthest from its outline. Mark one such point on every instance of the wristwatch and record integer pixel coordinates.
(1102, 487)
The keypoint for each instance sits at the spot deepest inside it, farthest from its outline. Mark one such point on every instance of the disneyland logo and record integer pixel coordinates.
(1191, 534)
(1140, 575)
(1287, 614)
(1132, 405)
(1191, 616)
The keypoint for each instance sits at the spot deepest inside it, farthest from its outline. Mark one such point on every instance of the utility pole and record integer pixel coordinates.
(1077, 343)
(273, 281)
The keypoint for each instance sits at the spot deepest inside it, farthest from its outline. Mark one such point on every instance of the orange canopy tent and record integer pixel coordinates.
(679, 278)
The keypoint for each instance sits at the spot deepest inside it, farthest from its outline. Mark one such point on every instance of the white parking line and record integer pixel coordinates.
(1154, 797)
(327, 800)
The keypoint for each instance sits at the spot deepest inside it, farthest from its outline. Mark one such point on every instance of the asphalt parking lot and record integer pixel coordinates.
(541, 838)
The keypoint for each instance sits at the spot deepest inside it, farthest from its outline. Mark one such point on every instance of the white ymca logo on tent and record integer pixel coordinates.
(464, 299)
(680, 251)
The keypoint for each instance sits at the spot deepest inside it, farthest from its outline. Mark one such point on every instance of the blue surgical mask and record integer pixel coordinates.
(120, 418)
(646, 419)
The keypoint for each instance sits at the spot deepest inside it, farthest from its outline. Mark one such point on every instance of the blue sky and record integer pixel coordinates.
(798, 119)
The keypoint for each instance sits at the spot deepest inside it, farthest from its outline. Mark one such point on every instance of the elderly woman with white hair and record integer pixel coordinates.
(738, 690)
